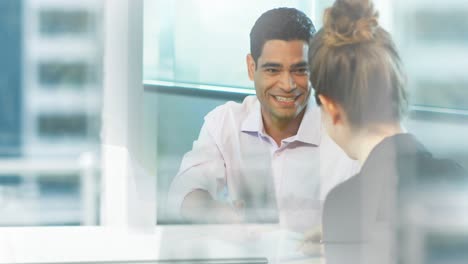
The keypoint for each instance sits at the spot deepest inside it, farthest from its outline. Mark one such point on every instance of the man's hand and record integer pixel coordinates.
(199, 207)
(228, 214)
(312, 242)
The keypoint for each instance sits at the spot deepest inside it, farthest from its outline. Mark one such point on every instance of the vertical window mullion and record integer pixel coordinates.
(128, 186)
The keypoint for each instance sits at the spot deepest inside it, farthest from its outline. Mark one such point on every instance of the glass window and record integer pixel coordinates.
(56, 21)
(436, 25)
(73, 74)
(432, 40)
(196, 42)
(447, 93)
(203, 42)
(45, 134)
(56, 126)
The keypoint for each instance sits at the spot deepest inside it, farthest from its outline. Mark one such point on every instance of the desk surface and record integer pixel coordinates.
(117, 246)
(232, 241)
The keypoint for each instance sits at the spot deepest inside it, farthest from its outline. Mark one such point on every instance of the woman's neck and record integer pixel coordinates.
(365, 140)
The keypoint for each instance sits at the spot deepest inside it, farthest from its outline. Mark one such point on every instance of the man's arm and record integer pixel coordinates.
(198, 206)
(200, 178)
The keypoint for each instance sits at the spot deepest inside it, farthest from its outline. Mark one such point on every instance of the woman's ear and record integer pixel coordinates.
(332, 108)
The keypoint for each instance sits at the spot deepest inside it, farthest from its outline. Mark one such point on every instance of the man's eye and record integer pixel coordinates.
(271, 70)
(301, 71)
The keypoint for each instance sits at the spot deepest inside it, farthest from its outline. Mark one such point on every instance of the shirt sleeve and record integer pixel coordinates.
(201, 168)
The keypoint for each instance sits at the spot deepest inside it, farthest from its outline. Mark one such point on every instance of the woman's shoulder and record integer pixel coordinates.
(423, 166)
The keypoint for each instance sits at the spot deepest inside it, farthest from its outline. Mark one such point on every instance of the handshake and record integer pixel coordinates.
(311, 243)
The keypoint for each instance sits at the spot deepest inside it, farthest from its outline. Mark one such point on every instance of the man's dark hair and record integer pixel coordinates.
(282, 24)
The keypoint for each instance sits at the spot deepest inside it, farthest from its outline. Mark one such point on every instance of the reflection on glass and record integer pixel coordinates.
(433, 224)
(432, 40)
(49, 112)
(57, 21)
(447, 93)
(202, 42)
(439, 26)
(433, 44)
(62, 126)
(56, 74)
(206, 42)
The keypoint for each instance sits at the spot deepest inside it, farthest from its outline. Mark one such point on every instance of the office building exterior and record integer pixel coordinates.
(51, 110)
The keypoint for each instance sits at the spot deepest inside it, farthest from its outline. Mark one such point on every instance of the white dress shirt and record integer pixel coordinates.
(234, 159)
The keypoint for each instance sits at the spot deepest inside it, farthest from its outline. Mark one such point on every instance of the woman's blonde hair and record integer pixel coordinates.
(354, 62)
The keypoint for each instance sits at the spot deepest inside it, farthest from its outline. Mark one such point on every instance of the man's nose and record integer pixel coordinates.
(287, 82)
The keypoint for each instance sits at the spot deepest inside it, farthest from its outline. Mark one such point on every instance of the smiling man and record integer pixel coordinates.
(280, 75)
(268, 157)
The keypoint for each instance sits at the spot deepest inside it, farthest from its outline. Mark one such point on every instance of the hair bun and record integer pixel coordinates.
(349, 22)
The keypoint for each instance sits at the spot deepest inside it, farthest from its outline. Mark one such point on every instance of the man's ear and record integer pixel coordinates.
(250, 66)
(333, 109)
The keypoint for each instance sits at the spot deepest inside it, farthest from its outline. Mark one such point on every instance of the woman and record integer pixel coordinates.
(359, 83)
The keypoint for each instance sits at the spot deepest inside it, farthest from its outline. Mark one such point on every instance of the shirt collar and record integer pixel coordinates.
(253, 122)
(310, 128)
(309, 131)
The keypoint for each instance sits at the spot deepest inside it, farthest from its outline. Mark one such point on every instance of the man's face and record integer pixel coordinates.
(281, 78)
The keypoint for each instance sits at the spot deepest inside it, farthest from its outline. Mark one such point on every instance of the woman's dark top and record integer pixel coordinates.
(364, 208)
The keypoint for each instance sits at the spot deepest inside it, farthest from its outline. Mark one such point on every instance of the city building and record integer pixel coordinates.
(51, 110)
